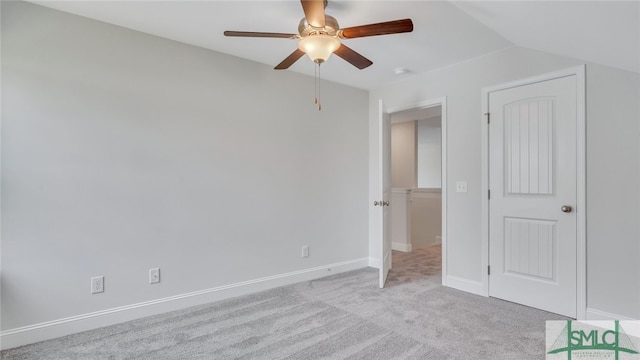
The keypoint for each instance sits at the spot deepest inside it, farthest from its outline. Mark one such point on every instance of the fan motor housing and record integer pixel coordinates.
(330, 28)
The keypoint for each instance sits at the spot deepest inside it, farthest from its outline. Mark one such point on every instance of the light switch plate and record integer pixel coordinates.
(154, 276)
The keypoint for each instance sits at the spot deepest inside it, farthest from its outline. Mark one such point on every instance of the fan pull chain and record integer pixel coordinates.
(316, 99)
(315, 84)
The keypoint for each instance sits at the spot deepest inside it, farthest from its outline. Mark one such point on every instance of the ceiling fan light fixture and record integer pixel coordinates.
(318, 46)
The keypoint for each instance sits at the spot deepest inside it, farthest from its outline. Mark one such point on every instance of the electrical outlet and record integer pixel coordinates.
(305, 251)
(461, 186)
(97, 284)
(154, 276)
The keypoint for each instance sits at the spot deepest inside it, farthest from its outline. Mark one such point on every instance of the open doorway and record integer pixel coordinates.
(417, 177)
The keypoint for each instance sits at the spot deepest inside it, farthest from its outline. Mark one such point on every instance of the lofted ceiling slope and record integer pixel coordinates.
(605, 32)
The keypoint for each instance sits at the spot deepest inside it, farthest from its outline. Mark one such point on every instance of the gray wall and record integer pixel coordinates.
(613, 196)
(403, 155)
(429, 153)
(613, 150)
(123, 151)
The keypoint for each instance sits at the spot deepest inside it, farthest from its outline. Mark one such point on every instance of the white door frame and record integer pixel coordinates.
(441, 101)
(581, 250)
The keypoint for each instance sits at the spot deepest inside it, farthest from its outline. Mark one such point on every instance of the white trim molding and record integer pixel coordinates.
(466, 285)
(581, 266)
(52, 329)
(401, 190)
(426, 191)
(594, 314)
(401, 247)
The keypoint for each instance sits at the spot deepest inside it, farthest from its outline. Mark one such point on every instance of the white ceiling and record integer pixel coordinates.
(606, 32)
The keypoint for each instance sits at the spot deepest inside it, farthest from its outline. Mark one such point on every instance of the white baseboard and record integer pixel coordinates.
(52, 329)
(594, 314)
(401, 247)
(375, 263)
(470, 286)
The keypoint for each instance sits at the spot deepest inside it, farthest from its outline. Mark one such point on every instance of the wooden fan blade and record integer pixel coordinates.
(260, 34)
(383, 28)
(353, 57)
(290, 60)
(314, 12)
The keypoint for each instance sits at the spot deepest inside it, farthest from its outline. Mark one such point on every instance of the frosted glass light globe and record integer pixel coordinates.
(319, 47)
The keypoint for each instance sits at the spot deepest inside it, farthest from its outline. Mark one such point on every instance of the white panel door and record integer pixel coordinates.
(384, 192)
(532, 179)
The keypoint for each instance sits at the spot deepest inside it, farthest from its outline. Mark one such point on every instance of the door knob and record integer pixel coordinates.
(377, 203)
(385, 203)
(566, 208)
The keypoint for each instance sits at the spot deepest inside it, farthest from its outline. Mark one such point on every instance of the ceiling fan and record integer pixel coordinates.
(319, 36)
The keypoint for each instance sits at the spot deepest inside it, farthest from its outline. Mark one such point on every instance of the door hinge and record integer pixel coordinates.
(488, 117)
(489, 194)
(489, 270)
